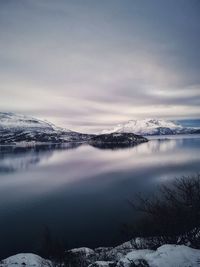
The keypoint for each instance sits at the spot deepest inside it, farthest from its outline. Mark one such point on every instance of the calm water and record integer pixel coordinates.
(80, 192)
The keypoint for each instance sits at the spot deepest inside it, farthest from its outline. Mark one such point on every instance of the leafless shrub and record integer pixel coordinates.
(173, 215)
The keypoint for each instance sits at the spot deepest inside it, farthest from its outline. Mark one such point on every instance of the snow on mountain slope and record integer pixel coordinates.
(149, 127)
(17, 121)
(20, 129)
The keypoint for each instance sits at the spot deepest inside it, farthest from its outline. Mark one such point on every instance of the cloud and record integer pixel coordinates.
(89, 65)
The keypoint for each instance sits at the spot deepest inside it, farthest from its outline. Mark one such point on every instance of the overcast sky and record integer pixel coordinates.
(89, 64)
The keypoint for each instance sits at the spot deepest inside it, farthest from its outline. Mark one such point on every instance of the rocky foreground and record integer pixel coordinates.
(125, 255)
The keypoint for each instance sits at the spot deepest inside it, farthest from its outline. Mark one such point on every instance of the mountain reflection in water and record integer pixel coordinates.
(81, 191)
(15, 158)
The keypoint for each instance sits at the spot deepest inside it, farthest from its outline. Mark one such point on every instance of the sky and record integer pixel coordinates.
(88, 65)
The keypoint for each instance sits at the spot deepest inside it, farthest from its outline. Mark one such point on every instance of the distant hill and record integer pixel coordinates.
(149, 127)
(18, 129)
(15, 128)
(116, 140)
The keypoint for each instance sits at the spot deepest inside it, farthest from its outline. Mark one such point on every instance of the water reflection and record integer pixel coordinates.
(43, 169)
(113, 146)
(15, 158)
(62, 186)
(74, 162)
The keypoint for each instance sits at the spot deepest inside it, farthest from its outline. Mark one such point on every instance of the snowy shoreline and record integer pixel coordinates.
(124, 255)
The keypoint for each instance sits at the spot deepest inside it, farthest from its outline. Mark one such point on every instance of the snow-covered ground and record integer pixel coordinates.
(25, 260)
(164, 256)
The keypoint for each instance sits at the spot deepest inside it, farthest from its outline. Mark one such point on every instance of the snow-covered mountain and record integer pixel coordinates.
(151, 127)
(16, 122)
(25, 130)
(21, 129)
(15, 128)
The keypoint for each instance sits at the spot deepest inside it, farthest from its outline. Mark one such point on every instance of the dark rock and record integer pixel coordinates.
(116, 140)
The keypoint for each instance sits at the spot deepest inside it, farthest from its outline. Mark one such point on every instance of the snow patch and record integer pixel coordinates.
(148, 127)
(165, 256)
(25, 260)
(83, 250)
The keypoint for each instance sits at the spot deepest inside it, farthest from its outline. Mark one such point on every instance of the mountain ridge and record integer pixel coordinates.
(148, 127)
(17, 128)
(25, 130)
